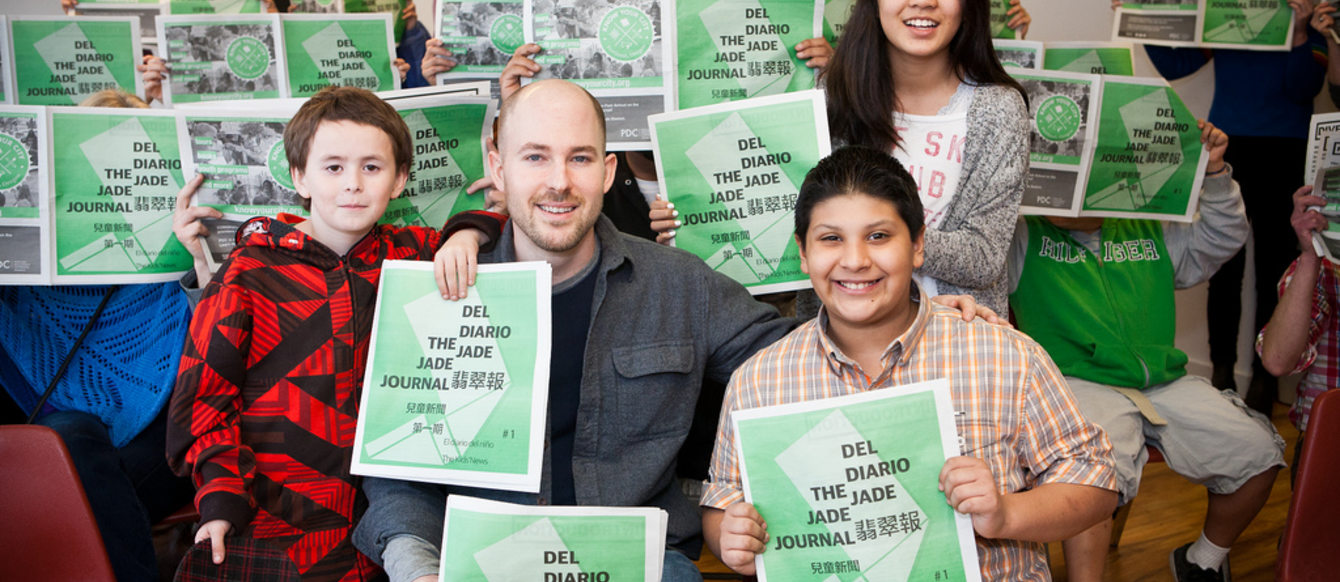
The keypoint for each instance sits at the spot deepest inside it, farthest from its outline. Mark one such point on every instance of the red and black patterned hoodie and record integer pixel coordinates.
(267, 395)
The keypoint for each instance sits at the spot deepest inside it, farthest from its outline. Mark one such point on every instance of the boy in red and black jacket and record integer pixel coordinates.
(267, 395)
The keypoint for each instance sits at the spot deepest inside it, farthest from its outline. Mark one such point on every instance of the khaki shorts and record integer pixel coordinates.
(1211, 437)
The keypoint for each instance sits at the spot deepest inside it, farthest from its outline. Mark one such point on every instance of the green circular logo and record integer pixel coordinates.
(14, 162)
(1058, 118)
(247, 57)
(507, 34)
(625, 34)
(277, 162)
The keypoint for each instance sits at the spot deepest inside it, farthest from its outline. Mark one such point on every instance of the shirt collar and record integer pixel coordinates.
(898, 352)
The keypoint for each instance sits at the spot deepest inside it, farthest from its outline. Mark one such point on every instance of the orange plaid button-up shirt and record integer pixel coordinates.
(1013, 410)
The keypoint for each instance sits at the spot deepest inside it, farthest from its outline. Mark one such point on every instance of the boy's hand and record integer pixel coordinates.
(744, 535)
(663, 220)
(1116, 4)
(1216, 143)
(153, 71)
(1020, 19)
(971, 309)
(67, 6)
(971, 490)
(188, 228)
(520, 65)
(214, 530)
(436, 60)
(1305, 218)
(815, 52)
(455, 264)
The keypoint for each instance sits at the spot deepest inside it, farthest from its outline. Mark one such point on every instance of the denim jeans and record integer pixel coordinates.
(129, 488)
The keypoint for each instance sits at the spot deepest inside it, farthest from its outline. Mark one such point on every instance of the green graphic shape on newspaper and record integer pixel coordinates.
(247, 57)
(214, 6)
(458, 396)
(1148, 152)
(507, 33)
(625, 34)
(115, 194)
(1247, 22)
(62, 63)
(1000, 20)
(342, 53)
(1058, 118)
(277, 163)
(14, 162)
(1096, 61)
(836, 15)
(853, 489)
(495, 548)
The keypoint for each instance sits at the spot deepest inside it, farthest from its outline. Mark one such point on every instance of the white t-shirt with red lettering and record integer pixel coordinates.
(931, 148)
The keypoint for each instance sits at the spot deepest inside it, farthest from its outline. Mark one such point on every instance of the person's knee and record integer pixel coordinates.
(77, 429)
(679, 568)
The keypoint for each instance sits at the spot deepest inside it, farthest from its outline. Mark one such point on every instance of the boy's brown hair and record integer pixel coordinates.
(345, 104)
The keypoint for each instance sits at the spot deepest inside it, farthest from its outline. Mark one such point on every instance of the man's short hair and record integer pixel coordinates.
(859, 170)
(510, 103)
(345, 104)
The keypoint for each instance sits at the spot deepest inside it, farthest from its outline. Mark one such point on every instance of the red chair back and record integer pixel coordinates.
(47, 531)
(1311, 534)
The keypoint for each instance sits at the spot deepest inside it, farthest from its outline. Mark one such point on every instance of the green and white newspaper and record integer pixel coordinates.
(1142, 159)
(849, 487)
(25, 203)
(61, 60)
(490, 541)
(1323, 144)
(448, 135)
(216, 59)
(214, 6)
(115, 177)
(733, 172)
(1023, 54)
(242, 156)
(727, 50)
(1063, 108)
(836, 15)
(616, 49)
(1239, 24)
(1000, 21)
(317, 7)
(1148, 160)
(353, 50)
(6, 62)
(1327, 185)
(1095, 58)
(393, 7)
(481, 35)
(456, 391)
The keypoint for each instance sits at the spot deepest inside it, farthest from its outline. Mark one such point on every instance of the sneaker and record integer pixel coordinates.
(1185, 571)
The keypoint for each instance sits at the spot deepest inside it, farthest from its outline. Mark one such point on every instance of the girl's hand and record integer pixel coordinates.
(663, 220)
(1020, 19)
(815, 52)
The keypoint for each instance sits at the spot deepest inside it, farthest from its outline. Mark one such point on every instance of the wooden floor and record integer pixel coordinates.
(1168, 513)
